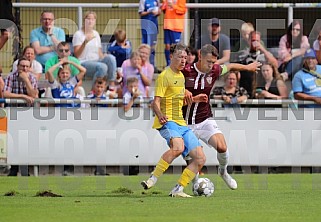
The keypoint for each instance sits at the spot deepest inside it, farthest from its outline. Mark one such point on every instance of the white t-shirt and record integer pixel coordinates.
(90, 52)
(35, 65)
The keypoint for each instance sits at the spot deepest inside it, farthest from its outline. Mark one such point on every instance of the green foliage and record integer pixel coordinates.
(268, 197)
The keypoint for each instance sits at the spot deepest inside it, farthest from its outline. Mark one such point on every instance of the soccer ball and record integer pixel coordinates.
(203, 187)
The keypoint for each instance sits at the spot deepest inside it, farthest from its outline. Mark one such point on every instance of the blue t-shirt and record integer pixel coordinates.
(120, 53)
(38, 35)
(64, 91)
(304, 82)
(102, 97)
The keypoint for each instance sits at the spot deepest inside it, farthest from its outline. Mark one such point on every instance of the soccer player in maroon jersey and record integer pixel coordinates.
(199, 80)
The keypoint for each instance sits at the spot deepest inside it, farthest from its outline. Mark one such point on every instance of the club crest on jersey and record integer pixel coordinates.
(209, 79)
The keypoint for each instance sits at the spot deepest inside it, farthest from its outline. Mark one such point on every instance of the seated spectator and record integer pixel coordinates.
(36, 67)
(306, 84)
(99, 91)
(87, 48)
(145, 52)
(231, 93)
(63, 87)
(192, 55)
(133, 67)
(21, 84)
(270, 84)
(46, 38)
(63, 52)
(217, 39)
(121, 48)
(256, 52)
(292, 47)
(317, 46)
(132, 94)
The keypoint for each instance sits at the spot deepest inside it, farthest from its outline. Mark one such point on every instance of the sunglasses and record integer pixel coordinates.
(63, 50)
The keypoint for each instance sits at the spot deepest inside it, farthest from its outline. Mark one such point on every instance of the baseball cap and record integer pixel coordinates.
(215, 21)
(309, 54)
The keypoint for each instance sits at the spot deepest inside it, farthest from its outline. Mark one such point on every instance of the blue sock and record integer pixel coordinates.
(167, 53)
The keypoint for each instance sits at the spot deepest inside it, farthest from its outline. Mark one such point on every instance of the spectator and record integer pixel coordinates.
(231, 93)
(98, 91)
(7, 21)
(306, 84)
(63, 52)
(173, 23)
(45, 39)
(217, 39)
(246, 29)
(270, 84)
(292, 47)
(87, 48)
(121, 48)
(21, 84)
(36, 68)
(149, 10)
(133, 68)
(256, 52)
(317, 46)
(145, 51)
(192, 55)
(132, 94)
(63, 86)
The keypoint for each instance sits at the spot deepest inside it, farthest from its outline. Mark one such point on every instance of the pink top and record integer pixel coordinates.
(284, 51)
(129, 71)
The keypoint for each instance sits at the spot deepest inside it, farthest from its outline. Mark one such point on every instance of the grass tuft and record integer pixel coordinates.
(122, 190)
(47, 193)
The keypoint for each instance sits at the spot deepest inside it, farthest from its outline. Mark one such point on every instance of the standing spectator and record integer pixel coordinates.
(317, 46)
(256, 52)
(21, 84)
(133, 68)
(63, 52)
(173, 23)
(270, 84)
(231, 93)
(306, 84)
(45, 39)
(36, 68)
(149, 10)
(217, 39)
(87, 48)
(292, 47)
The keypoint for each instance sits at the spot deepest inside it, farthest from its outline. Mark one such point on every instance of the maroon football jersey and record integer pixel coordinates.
(197, 82)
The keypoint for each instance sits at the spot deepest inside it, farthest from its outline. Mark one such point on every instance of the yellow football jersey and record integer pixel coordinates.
(170, 86)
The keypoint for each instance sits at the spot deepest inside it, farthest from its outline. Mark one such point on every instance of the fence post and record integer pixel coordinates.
(79, 17)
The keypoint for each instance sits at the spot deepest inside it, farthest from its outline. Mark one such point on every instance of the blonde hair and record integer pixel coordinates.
(247, 27)
(131, 80)
(87, 13)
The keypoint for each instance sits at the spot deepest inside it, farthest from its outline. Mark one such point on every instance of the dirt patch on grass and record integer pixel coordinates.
(47, 193)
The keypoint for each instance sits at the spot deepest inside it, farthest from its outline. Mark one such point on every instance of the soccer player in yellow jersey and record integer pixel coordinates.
(169, 121)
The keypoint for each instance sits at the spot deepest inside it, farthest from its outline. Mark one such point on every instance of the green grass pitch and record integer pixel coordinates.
(260, 197)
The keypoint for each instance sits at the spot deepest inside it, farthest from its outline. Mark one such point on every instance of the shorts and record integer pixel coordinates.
(171, 37)
(172, 130)
(205, 130)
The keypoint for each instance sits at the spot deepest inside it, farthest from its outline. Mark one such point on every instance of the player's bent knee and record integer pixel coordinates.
(221, 149)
